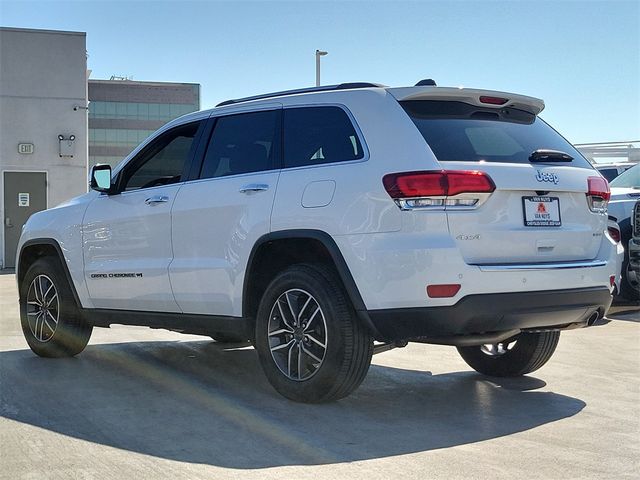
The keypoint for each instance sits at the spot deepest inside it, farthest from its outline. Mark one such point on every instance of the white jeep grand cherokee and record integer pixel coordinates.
(327, 224)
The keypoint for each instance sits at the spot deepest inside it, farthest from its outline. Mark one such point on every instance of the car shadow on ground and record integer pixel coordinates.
(205, 403)
(625, 310)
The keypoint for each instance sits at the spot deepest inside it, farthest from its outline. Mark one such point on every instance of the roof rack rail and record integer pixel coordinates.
(341, 86)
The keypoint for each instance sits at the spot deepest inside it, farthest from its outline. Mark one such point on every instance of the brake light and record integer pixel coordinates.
(451, 188)
(598, 194)
(416, 184)
(469, 182)
(493, 100)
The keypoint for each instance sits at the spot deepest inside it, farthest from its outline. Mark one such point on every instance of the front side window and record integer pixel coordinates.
(319, 135)
(163, 162)
(242, 143)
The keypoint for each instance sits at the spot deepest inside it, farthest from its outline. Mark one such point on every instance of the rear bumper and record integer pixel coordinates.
(391, 271)
(493, 312)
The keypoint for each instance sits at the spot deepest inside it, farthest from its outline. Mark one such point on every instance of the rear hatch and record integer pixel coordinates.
(541, 209)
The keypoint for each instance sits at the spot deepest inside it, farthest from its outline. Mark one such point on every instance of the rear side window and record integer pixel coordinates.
(458, 131)
(242, 143)
(319, 135)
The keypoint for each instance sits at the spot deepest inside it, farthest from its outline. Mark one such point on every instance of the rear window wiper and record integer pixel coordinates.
(544, 155)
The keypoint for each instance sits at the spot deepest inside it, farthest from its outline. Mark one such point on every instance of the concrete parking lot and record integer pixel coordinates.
(142, 403)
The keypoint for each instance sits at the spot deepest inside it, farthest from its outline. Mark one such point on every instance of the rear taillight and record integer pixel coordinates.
(450, 188)
(598, 194)
(614, 233)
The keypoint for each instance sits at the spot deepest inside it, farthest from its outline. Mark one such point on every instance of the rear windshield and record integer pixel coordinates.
(458, 131)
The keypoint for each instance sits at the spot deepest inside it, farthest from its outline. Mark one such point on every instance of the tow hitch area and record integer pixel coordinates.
(385, 347)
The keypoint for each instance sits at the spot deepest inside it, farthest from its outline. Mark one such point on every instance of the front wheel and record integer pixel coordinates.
(523, 354)
(311, 345)
(51, 322)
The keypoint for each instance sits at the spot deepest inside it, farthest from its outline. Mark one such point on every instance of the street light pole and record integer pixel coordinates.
(319, 53)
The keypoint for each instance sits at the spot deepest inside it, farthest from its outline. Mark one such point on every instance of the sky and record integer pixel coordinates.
(581, 57)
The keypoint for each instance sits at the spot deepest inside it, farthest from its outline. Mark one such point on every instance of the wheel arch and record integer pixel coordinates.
(37, 248)
(282, 248)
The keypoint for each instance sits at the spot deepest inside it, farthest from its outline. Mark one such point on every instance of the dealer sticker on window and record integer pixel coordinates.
(541, 211)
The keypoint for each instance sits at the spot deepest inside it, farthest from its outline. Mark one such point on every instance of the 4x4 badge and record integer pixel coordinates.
(546, 177)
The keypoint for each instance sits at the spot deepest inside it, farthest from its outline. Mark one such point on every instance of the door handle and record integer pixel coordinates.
(254, 187)
(7, 222)
(156, 199)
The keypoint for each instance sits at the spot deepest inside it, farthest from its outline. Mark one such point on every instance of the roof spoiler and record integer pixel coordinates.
(481, 98)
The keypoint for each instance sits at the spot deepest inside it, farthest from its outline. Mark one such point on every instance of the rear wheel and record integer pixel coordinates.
(311, 345)
(524, 354)
(51, 322)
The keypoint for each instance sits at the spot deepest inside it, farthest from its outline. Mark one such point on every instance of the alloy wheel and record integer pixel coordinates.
(297, 333)
(43, 308)
(497, 349)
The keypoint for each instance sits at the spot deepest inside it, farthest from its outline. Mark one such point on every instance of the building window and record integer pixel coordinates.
(139, 111)
(113, 137)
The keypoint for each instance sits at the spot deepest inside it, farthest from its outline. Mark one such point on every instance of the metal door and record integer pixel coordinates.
(25, 193)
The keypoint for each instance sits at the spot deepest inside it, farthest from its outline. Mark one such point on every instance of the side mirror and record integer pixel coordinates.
(101, 178)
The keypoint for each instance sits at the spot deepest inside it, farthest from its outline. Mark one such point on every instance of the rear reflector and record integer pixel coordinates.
(493, 100)
(443, 291)
(614, 233)
(612, 281)
(437, 184)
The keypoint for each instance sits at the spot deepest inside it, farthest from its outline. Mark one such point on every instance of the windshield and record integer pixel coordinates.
(628, 179)
(458, 131)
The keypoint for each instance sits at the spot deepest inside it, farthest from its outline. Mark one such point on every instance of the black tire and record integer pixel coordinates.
(628, 289)
(348, 346)
(530, 352)
(70, 335)
(226, 338)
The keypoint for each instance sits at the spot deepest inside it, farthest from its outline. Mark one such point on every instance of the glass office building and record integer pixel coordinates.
(122, 113)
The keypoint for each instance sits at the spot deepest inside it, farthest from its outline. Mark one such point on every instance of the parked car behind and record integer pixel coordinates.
(625, 192)
(612, 170)
(633, 250)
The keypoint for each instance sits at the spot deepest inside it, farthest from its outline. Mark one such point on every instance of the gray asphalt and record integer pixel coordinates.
(141, 403)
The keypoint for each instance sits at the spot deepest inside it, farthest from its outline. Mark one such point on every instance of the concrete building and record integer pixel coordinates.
(43, 125)
(122, 113)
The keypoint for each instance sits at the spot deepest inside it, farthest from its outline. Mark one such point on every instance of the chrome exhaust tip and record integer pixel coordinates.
(595, 316)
